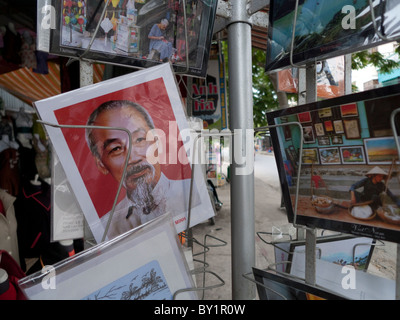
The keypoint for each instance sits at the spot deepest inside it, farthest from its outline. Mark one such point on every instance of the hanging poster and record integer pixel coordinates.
(158, 172)
(132, 33)
(209, 97)
(151, 266)
(326, 29)
(351, 187)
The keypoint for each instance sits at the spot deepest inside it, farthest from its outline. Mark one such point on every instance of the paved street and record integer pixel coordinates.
(267, 214)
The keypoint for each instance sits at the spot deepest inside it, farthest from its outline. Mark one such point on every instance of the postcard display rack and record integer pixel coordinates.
(167, 283)
(158, 265)
(68, 205)
(274, 284)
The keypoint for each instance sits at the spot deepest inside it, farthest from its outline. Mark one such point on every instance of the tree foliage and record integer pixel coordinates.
(265, 96)
(364, 58)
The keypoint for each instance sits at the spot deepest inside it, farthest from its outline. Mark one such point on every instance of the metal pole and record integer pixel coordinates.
(302, 100)
(85, 79)
(85, 73)
(242, 183)
(311, 237)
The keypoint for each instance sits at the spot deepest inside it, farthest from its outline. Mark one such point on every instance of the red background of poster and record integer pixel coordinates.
(102, 189)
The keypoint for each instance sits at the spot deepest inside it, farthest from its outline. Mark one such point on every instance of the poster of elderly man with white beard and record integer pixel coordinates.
(88, 128)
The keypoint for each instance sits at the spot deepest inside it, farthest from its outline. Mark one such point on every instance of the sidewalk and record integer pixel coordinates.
(267, 195)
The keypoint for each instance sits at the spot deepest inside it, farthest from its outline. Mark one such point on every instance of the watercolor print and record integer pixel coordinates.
(146, 283)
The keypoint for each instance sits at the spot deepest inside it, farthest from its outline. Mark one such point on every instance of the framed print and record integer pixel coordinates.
(319, 33)
(381, 150)
(342, 165)
(341, 249)
(276, 286)
(138, 34)
(352, 155)
(324, 141)
(349, 110)
(308, 134)
(310, 156)
(325, 113)
(338, 125)
(304, 117)
(159, 169)
(329, 155)
(351, 128)
(151, 266)
(328, 126)
(337, 139)
(330, 275)
(319, 129)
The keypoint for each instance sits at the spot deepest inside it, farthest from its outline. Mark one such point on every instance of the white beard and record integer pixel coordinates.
(142, 196)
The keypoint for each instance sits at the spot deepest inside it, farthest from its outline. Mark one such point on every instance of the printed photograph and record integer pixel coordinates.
(351, 186)
(154, 178)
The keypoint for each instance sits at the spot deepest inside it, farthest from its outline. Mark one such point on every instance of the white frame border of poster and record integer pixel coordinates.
(91, 270)
(46, 110)
(67, 219)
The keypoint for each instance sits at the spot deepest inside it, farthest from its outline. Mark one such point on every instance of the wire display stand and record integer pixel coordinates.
(205, 246)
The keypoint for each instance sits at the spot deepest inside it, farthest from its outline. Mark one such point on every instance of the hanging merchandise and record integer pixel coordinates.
(133, 33)
(9, 166)
(209, 96)
(12, 45)
(7, 290)
(32, 210)
(159, 173)
(10, 274)
(8, 226)
(349, 162)
(151, 266)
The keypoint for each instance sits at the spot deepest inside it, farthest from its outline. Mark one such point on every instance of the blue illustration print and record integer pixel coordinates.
(146, 283)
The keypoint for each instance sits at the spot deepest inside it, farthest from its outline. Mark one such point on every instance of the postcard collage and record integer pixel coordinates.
(346, 141)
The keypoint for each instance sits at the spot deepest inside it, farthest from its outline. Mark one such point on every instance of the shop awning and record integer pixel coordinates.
(29, 86)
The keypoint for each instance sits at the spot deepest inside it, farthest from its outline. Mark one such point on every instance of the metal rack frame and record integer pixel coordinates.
(187, 234)
(241, 116)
